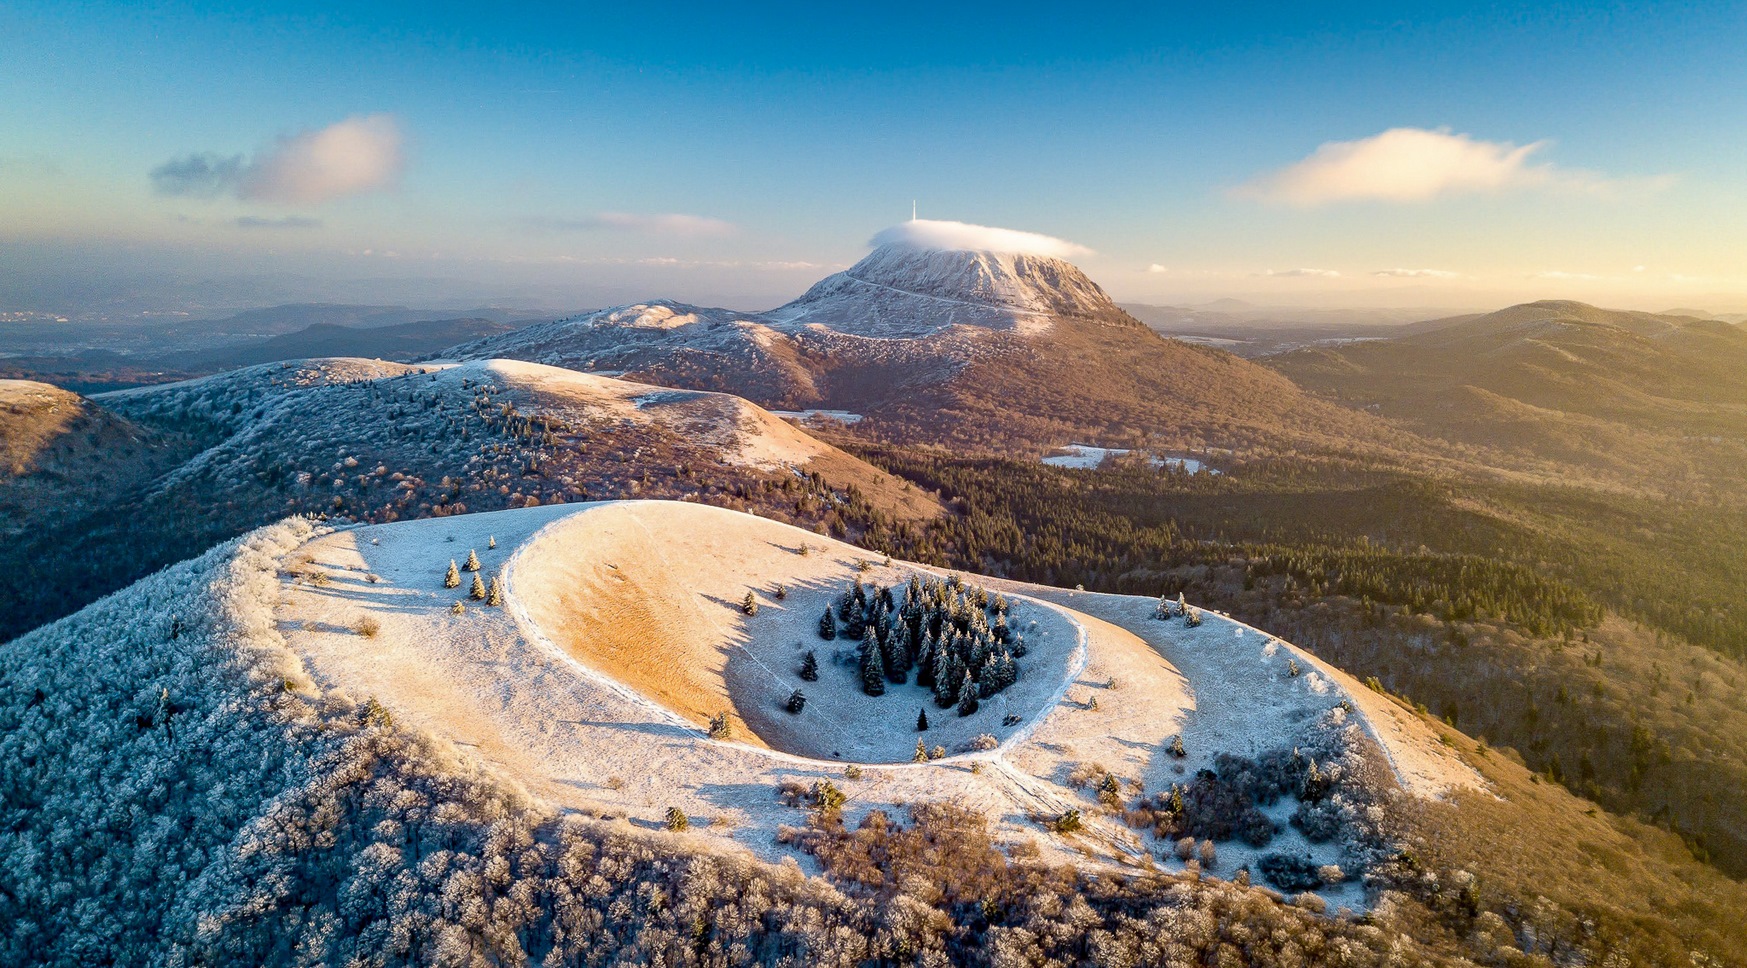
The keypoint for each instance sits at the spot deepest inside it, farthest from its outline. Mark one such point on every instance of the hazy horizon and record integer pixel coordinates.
(200, 158)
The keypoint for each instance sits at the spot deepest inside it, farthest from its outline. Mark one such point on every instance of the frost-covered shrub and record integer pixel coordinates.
(1289, 872)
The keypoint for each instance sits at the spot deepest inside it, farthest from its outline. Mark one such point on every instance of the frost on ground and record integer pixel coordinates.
(623, 633)
(1086, 457)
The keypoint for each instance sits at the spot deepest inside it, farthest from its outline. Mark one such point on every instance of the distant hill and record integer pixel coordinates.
(976, 349)
(279, 320)
(391, 341)
(1627, 394)
(384, 441)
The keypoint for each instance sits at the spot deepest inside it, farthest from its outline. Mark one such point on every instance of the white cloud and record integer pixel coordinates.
(360, 154)
(1300, 273)
(357, 155)
(1417, 165)
(1417, 273)
(670, 224)
(1156, 269)
(931, 234)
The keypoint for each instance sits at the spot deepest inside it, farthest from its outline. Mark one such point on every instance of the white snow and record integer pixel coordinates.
(621, 634)
(819, 416)
(1087, 457)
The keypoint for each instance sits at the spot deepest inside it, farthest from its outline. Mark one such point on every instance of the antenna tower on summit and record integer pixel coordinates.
(912, 210)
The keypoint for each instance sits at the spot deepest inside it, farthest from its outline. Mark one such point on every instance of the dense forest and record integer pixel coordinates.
(1551, 627)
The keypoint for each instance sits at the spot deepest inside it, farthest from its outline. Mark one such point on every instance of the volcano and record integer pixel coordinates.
(930, 339)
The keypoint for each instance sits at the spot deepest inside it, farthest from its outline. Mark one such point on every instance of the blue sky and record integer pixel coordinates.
(596, 153)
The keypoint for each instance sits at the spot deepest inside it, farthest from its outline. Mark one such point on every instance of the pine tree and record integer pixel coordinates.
(827, 626)
(921, 724)
(921, 753)
(491, 541)
(891, 657)
(472, 560)
(1182, 606)
(1164, 609)
(494, 594)
(719, 727)
(925, 658)
(810, 667)
(677, 820)
(873, 670)
(477, 592)
(452, 578)
(749, 604)
(967, 696)
(797, 701)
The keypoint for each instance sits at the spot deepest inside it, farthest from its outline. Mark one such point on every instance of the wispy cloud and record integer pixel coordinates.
(202, 175)
(1417, 273)
(1418, 165)
(352, 157)
(931, 234)
(1156, 269)
(1300, 273)
(668, 224)
(288, 222)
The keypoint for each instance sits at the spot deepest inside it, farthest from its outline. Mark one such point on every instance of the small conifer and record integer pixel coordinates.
(797, 701)
(921, 725)
(921, 753)
(827, 626)
(494, 593)
(749, 604)
(477, 592)
(967, 696)
(873, 668)
(491, 542)
(719, 727)
(452, 578)
(472, 560)
(810, 667)
(677, 820)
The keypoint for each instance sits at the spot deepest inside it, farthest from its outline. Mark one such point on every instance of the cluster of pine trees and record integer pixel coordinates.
(954, 636)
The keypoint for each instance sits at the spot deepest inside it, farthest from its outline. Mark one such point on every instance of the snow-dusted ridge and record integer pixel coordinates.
(621, 635)
(900, 290)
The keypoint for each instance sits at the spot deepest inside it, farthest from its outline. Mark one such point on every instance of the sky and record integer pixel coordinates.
(190, 157)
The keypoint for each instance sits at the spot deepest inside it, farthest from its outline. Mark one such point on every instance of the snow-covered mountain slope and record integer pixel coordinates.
(384, 441)
(967, 347)
(904, 291)
(621, 633)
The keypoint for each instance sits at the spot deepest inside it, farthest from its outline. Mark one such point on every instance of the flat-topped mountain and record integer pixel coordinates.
(902, 290)
(934, 340)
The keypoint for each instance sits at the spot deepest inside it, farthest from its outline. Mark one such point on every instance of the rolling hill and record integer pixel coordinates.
(383, 441)
(1653, 400)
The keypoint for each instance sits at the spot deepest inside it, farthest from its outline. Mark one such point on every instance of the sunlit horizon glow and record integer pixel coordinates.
(190, 159)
